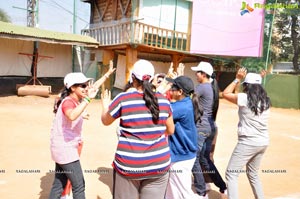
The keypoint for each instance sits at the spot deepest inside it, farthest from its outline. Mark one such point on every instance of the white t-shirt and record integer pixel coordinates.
(252, 129)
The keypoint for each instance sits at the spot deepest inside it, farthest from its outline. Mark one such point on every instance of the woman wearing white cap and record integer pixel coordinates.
(66, 132)
(209, 100)
(253, 139)
(142, 158)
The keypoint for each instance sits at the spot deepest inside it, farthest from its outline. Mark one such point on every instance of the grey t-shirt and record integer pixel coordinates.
(252, 129)
(206, 98)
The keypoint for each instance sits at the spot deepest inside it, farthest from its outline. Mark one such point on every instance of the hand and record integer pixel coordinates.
(263, 73)
(171, 69)
(111, 68)
(241, 73)
(92, 92)
(180, 69)
(105, 98)
(85, 115)
(171, 73)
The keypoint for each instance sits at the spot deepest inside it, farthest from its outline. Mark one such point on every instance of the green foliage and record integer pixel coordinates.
(281, 47)
(3, 16)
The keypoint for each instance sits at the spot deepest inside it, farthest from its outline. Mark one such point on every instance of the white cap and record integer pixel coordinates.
(204, 67)
(75, 78)
(252, 78)
(143, 70)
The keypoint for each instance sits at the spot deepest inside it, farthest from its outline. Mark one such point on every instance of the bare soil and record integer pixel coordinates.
(26, 168)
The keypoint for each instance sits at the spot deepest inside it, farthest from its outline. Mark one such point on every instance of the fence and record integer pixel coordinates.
(138, 33)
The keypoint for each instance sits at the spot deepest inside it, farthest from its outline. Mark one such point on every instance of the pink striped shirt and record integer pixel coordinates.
(65, 136)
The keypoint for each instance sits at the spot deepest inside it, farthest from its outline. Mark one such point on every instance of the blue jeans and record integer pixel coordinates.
(209, 165)
(199, 182)
(73, 172)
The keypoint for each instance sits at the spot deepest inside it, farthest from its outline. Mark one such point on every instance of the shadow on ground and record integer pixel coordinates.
(106, 176)
(214, 195)
(46, 184)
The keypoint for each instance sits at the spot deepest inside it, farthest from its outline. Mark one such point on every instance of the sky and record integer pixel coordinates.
(54, 15)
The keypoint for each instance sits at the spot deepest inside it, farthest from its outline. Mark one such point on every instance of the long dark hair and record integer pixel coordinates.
(149, 97)
(215, 88)
(258, 101)
(198, 110)
(63, 94)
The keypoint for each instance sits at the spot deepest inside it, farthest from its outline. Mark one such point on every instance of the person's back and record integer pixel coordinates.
(253, 139)
(141, 139)
(142, 158)
(252, 129)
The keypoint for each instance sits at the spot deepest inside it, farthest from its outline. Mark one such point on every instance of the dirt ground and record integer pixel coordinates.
(26, 168)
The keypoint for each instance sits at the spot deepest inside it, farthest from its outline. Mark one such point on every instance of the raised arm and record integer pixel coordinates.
(228, 92)
(100, 81)
(106, 118)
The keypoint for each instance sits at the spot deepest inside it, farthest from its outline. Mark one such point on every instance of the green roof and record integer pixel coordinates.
(12, 31)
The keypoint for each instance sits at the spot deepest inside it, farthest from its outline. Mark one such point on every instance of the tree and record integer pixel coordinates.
(3, 16)
(285, 36)
(287, 26)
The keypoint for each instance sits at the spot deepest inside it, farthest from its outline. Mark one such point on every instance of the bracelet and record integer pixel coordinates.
(106, 75)
(87, 99)
(236, 81)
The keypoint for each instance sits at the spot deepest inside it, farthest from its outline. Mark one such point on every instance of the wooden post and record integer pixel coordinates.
(107, 56)
(176, 59)
(131, 58)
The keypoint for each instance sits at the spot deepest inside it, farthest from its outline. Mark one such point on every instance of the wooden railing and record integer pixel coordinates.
(138, 33)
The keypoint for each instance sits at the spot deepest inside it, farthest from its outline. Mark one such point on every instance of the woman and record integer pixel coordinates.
(208, 99)
(253, 139)
(66, 131)
(142, 158)
(183, 143)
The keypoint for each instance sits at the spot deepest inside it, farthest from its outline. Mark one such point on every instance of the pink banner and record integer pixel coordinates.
(227, 27)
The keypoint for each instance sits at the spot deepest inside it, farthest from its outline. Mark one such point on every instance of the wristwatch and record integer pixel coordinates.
(236, 81)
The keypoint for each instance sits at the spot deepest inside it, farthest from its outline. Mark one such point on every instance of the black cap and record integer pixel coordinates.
(183, 82)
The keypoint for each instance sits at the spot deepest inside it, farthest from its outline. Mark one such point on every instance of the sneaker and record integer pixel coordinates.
(66, 197)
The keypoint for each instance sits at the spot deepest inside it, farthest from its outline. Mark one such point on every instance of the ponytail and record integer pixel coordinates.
(149, 97)
(215, 88)
(198, 110)
(64, 93)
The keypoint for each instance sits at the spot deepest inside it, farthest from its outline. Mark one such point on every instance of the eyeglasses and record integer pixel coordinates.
(81, 85)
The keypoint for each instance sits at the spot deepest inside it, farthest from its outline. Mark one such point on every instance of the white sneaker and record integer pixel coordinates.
(66, 197)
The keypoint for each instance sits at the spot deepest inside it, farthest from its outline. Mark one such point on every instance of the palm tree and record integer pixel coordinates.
(3, 16)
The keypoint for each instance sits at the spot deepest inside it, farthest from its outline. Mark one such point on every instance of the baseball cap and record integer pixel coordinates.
(143, 70)
(183, 82)
(75, 78)
(204, 67)
(252, 78)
